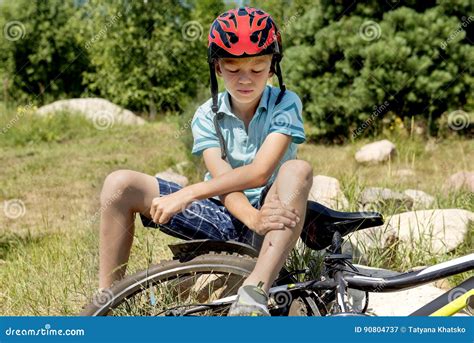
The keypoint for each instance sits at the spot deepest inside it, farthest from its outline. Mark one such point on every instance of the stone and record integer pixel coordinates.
(376, 152)
(103, 113)
(327, 191)
(435, 232)
(421, 200)
(460, 180)
(372, 198)
(380, 237)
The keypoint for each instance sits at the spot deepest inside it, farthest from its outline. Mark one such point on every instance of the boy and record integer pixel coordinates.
(255, 191)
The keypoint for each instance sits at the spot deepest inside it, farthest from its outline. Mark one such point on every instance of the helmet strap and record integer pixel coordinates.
(214, 86)
(215, 108)
(280, 81)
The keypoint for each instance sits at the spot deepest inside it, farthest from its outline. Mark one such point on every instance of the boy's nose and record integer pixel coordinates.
(244, 79)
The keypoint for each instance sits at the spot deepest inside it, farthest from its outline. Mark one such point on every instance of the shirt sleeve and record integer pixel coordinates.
(287, 118)
(204, 132)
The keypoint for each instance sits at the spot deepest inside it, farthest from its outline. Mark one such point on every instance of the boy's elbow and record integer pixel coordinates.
(261, 177)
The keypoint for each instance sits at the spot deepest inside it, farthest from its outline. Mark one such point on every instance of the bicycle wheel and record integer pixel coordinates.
(174, 284)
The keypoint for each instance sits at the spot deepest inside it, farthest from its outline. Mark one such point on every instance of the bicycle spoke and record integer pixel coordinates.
(181, 290)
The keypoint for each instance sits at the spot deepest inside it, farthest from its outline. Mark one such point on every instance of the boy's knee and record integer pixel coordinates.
(299, 169)
(115, 185)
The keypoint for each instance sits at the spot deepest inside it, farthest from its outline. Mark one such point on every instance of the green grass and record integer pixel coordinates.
(56, 167)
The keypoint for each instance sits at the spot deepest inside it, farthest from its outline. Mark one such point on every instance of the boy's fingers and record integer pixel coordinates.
(292, 215)
(157, 215)
(279, 205)
(285, 217)
(273, 226)
(276, 204)
(286, 221)
(164, 219)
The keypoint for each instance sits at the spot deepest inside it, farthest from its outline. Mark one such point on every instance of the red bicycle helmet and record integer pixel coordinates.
(242, 32)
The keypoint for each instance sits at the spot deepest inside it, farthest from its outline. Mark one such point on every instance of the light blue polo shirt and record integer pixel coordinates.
(242, 146)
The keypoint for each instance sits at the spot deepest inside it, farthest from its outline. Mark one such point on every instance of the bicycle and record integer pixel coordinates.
(204, 275)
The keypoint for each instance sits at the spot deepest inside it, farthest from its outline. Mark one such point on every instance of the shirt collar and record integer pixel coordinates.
(262, 105)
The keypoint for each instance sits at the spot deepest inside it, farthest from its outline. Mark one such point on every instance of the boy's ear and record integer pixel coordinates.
(272, 70)
(218, 68)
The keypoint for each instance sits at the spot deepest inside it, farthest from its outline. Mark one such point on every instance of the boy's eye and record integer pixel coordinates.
(233, 71)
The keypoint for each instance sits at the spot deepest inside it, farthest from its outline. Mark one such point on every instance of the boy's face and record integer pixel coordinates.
(245, 78)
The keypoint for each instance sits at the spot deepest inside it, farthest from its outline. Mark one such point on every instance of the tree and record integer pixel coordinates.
(150, 55)
(41, 54)
(350, 68)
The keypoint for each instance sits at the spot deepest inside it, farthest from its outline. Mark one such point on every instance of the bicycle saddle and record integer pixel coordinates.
(321, 222)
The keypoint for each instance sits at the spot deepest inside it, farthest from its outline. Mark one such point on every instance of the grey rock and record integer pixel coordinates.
(421, 200)
(373, 198)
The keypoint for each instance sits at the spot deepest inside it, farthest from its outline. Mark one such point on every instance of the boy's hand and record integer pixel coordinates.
(274, 215)
(166, 206)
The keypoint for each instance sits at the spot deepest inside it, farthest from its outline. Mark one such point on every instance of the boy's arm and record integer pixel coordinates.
(236, 202)
(252, 175)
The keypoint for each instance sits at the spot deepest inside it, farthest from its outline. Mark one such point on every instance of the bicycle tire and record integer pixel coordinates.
(123, 290)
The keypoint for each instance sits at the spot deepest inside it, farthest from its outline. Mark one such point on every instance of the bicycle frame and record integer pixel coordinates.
(341, 279)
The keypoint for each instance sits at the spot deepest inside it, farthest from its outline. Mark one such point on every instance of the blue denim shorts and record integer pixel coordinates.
(206, 219)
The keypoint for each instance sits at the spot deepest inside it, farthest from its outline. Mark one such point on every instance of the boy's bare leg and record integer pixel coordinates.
(292, 184)
(124, 193)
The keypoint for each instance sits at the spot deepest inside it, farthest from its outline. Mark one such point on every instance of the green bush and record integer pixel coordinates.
(146, 56)
(41, 57)
(149, 55)
(351, 71)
